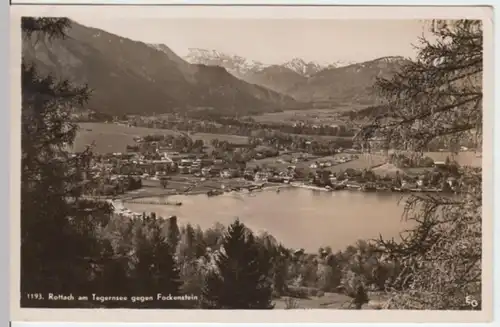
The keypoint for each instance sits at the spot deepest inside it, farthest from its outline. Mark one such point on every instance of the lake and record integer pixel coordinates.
(299, 218)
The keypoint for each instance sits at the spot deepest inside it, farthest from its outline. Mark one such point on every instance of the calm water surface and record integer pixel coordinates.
(298, 218)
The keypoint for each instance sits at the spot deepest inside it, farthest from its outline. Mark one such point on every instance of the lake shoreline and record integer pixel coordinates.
(161, 198)
(244, 187)
(335, 219)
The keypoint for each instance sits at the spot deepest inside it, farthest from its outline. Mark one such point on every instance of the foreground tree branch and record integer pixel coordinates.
(440, 91)
(439, 95)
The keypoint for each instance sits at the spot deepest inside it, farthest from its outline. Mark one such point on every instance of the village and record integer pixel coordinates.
(162, 165)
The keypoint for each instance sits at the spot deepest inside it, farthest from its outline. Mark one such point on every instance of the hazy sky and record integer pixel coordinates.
(274, 41)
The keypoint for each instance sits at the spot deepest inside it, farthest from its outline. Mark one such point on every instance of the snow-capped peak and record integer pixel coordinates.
(240, 66)
(302, 67)
(342, 63)
(235, 64)
(196, 52)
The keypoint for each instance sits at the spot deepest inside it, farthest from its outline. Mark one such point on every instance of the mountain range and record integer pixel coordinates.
(348, 84)
(310, 82)
(241, 66)
(133, 77)
(137, 78)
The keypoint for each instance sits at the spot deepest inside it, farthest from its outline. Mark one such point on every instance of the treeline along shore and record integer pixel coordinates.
(148, 255)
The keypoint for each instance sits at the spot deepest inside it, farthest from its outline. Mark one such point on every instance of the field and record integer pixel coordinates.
(206, 137)
(365, 161)
(320, 138)
(115, 138)
(468, 158)
(313, 116)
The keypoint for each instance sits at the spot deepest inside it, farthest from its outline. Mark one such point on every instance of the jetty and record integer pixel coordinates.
(312, 187)
(158, 201)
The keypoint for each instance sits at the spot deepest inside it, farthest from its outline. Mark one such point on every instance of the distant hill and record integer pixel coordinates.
(171, 55)
(276, 78)
(133, 77)
(243, 67)
(332, 84)
(366, 113)
(348, 84)
(330, 87)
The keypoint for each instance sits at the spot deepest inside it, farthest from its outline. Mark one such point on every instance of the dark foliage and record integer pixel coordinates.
(240, 280)
(58, 245)
(439, 96)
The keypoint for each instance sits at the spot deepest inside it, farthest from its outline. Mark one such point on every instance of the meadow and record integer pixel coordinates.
(312, 116)
(115, 138)
(466, 158)
(368, 161)
(365, 161)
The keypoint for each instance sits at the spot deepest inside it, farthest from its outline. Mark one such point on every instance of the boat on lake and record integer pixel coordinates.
(214, 193)
(338, 187)
(353, 186)
(369, 187)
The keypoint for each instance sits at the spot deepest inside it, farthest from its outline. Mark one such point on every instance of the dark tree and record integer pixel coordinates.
(187, 244)
(113, 277)
(156, 270)
(59, 250)
(241, 279)
(200, 247)
(173, 233)
(281, 262)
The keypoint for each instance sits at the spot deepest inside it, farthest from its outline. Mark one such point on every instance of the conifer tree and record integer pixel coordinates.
(59, 249)
(173, 233)
(155, 270)
(241, 279)
(112, 279)
(187, 245)
(200, 244)
(437, 97)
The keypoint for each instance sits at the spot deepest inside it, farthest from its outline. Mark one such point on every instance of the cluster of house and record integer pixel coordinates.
(329, 163)
(271, 176)
(182, 163)
(172, 161)
(318, 164)
(219, 168)
(355, 178)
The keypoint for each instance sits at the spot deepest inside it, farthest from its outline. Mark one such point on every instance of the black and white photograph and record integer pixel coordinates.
(267, 164)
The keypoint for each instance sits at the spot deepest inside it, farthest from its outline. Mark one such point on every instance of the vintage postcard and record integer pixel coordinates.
(251, 164)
